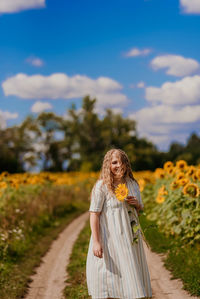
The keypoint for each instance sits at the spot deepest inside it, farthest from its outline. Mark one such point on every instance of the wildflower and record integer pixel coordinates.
(121, 192)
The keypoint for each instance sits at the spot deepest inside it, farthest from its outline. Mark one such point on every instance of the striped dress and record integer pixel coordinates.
(122, 272)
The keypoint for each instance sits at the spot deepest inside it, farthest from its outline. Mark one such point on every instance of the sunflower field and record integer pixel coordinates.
(172, 199)
(171, 196)
(30, 202)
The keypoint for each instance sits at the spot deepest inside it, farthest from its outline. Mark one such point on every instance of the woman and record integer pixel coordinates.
(116, 266)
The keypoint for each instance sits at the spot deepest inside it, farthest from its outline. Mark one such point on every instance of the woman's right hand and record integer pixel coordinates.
(97, 249)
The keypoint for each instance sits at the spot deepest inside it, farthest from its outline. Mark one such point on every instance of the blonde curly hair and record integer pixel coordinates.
(107, 176)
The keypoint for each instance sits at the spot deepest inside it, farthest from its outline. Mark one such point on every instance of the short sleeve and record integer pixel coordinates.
(97, 198)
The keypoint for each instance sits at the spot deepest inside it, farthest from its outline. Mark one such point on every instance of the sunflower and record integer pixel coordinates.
(191, 189)
(141, 183)
(3, 185)
(180, 176)
(162, 190)
(159, 173)
(160, 199)
(168, 165)
(170, 170)
(4, 174)
(181, 164)
(198, 174)
(191, 170)
(194, 177)
(183, 182)
(174, 185)
(121, 192)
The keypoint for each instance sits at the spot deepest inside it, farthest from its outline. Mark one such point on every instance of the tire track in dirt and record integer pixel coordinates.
(49, 280)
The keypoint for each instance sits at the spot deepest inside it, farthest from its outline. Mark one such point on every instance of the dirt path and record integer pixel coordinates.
(162, 286)
(49, 280)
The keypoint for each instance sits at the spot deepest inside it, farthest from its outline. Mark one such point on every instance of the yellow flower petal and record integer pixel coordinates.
(121, 192)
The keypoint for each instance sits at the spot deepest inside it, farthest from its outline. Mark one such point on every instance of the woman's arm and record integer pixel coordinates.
(94, 224)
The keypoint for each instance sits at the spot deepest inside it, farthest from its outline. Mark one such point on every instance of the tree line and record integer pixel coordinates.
(79, 141)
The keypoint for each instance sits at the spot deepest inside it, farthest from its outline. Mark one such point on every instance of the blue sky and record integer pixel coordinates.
(140, 58)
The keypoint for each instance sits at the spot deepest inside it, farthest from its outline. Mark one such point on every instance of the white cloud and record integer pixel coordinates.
(162, 124)
(101, 110)
(164, 114)
(185, 91)
(61, 86)
(190, 6)
(11, 6)
(6, 115)
(137, 52)
(35, 61)
(40, 107)
(176, 65)
(117, 110)
(140, 84)
(9, 115)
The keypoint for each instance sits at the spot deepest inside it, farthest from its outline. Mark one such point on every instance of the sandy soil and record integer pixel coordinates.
(49, 280)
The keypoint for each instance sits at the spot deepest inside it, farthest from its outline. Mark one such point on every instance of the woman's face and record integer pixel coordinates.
(116, 166)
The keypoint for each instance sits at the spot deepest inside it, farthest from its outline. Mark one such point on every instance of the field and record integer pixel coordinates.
(34, 205)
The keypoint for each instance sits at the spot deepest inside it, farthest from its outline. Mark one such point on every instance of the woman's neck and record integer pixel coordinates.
(118, 181)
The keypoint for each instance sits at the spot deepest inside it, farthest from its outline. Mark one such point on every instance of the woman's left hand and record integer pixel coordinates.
(132, 200)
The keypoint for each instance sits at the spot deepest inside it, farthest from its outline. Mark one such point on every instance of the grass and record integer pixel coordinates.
(183, 262)
(22, 258)
(77, 287)
(16, 278)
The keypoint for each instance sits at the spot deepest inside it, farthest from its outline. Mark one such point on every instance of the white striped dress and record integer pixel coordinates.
(122, 272)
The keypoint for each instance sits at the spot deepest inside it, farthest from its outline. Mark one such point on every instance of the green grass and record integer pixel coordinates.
(77, 287)
(182, 261)
(22, 257)
(15, 276)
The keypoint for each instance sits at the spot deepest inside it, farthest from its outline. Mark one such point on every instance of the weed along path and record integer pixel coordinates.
(49, 280)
